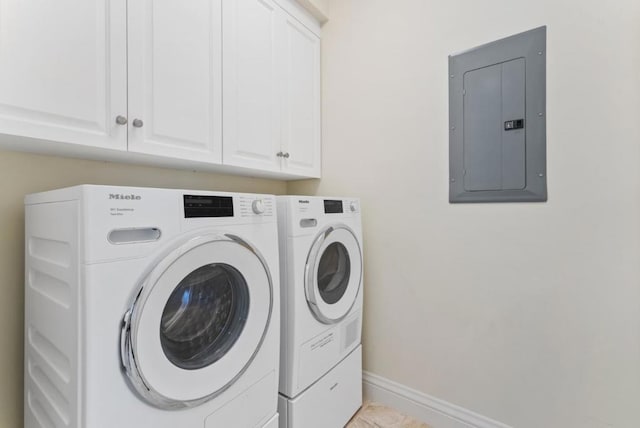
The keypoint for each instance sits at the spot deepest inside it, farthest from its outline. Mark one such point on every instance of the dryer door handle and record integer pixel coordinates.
(124, 340)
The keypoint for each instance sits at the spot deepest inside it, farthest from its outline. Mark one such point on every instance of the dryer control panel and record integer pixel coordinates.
(339, 206)
(305, 205)
(307, 214)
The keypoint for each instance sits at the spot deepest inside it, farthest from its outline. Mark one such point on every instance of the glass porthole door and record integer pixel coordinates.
(333, 274)
(204, 316)
(197, 322)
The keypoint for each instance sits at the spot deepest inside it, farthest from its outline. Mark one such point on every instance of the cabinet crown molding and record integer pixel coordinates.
(318, 8)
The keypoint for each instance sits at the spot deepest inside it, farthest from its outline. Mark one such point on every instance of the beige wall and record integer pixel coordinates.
(527, 313)
(21, 174)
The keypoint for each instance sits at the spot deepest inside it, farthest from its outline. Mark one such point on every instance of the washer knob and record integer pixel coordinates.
(257, 206)
(353, 207)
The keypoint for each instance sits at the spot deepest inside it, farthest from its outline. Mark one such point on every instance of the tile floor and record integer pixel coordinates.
(374, 415)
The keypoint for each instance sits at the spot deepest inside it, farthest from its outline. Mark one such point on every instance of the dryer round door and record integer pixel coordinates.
(197, 322)
(333, 273)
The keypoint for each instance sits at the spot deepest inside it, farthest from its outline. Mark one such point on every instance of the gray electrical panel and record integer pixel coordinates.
(497, 121)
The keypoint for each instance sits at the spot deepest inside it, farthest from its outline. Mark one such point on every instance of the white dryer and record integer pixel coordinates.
(321, 293)
(151, 308)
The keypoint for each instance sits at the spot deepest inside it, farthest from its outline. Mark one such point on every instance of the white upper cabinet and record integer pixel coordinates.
(220, 85)
(271, 89)
(175, 77)
(63, 71)
(301, 129)
(252, 114)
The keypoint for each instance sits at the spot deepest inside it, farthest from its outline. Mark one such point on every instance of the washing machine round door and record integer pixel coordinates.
(197, 322)
(333, 273)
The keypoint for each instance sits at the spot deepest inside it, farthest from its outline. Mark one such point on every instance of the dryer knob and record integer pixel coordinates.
(257, 206)
(353, 207)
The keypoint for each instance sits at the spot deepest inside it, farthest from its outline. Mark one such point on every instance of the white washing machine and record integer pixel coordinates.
(151, 308)
(321, 293)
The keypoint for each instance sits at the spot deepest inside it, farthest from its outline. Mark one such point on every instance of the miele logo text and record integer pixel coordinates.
(124, 197)
(302, 201)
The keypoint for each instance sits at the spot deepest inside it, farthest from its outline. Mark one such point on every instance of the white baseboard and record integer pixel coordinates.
(433, 411)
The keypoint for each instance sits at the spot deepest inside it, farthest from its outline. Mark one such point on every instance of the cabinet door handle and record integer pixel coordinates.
(121, 120)
(286, 155)
(137, 123)
(280, 154)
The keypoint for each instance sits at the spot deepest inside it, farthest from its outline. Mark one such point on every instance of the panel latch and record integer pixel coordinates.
(510, 125)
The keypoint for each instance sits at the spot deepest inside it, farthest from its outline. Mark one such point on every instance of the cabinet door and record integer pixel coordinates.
(251, 84)
(301, 129)
(175, 79)
(63, 70)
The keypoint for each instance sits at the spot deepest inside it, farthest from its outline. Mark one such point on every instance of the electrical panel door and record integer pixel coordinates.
(497, 121)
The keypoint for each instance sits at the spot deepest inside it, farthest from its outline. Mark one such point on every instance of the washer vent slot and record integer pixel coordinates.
(134, 235)
(350, 333)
